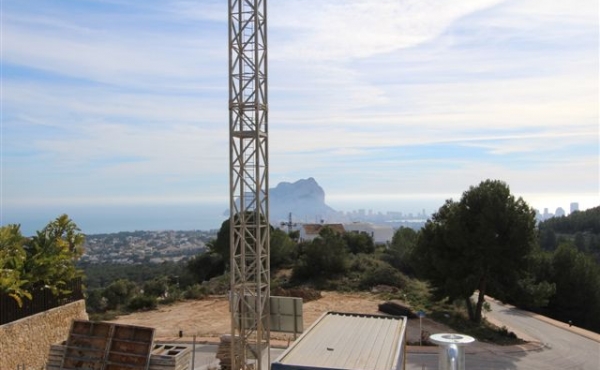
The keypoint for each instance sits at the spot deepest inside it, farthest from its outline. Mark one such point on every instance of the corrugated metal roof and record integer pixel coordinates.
(346, 341)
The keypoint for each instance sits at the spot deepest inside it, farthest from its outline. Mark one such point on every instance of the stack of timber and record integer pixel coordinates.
(163, 357)
(224, 352)
(106, 346)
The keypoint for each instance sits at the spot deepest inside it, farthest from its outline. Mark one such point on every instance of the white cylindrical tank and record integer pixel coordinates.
(451, 350)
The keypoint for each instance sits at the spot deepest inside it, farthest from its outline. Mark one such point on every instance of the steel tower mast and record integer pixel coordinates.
(248, 182)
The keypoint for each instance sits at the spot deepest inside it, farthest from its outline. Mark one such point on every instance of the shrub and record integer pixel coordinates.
(382, 274)
(142, 302)
(195, 291)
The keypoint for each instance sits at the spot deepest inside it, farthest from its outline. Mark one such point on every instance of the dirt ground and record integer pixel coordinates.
(210, 318)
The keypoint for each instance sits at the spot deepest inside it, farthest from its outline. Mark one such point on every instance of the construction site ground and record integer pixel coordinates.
(209, 318)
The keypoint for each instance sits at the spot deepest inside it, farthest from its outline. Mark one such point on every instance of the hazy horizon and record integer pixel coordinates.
(204, 215)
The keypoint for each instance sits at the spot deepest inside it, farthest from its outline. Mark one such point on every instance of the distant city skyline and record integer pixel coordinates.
(125, 103)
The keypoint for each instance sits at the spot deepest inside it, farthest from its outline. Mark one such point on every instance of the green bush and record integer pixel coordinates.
(195, 291)
(382, 274)
(363, 262)
(172, 297)
(142, 302)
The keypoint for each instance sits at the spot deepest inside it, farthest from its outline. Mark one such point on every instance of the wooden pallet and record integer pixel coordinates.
(86, 346)
(104, 346)
(162, 357)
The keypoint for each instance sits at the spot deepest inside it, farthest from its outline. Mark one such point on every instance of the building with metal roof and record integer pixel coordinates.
(347, 341)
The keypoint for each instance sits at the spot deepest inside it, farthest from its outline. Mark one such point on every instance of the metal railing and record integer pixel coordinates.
(41, 300)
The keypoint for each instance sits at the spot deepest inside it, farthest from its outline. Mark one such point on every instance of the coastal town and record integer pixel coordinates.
(145, 246)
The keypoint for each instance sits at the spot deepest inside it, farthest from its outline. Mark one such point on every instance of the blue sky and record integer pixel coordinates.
(123, 101)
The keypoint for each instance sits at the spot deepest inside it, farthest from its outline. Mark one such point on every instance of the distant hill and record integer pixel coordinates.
(305, 199)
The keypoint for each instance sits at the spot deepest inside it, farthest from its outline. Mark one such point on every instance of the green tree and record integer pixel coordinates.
(359, 242)
(205, 266)
(95, 302)
(295, 235)
(12, 260)
(142, 302)
(156, 287)
(548, 240)
(52, 254)
(221, 244)
(323, 257)
(577, 279)
(401, 249)
(119, 293)
(536, 287)
(282, 248)
(66, 234)
(579, 241)
(480, 243)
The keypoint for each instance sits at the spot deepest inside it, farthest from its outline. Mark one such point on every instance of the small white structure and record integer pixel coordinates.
(346, 341)
(381, 234)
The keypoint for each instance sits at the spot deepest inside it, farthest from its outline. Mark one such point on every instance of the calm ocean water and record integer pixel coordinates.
(111, 219)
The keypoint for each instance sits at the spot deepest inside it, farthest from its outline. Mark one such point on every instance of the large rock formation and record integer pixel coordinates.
(305, 199)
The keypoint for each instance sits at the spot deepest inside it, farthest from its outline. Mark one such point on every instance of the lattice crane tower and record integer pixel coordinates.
(248, 181)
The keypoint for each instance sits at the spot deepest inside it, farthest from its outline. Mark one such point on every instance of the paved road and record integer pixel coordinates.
(564, 348)
(560, 347)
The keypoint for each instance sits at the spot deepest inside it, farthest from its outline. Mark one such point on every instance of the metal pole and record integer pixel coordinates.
(194, 352)
(420, 330)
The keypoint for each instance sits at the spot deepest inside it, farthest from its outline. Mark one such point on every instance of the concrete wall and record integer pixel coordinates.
(27, 341)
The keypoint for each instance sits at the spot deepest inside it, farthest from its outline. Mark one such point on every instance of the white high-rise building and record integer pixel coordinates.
(574, 207)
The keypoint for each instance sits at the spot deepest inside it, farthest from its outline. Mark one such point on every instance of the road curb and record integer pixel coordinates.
(559, 324)
(486, 347)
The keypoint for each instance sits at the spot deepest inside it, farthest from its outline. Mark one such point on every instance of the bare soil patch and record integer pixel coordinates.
(210, 317)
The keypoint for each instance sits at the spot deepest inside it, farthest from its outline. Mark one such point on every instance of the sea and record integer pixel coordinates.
(112, 219)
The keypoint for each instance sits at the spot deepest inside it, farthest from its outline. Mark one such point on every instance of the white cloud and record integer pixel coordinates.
(119, 55)
(120, 104)
(343, 30)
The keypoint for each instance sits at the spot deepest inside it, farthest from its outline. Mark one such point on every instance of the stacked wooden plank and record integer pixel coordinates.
(106, 346)
(163, 357)
(224, 353)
